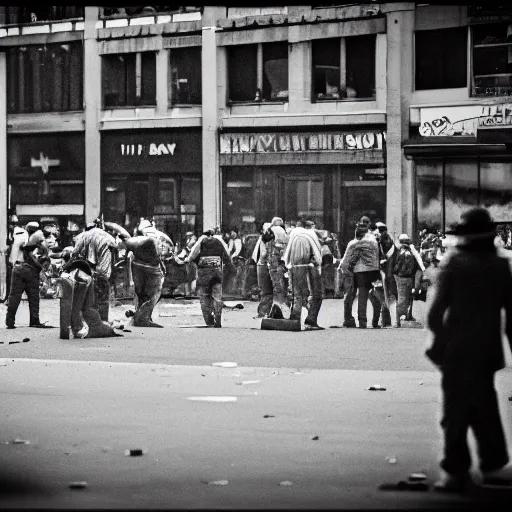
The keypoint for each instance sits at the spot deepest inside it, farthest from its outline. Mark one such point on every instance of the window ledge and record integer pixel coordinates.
(185, 105)
(343, 100)
(257, 103)
(128, 107)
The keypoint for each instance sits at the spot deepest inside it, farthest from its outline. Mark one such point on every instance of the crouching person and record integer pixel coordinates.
(78, 308)
(147, 271)
(209, 254)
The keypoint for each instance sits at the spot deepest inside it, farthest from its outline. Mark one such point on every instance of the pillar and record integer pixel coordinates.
(400, 30)
(211, 80)
(92, 102)
(3, 153)
(162, 82)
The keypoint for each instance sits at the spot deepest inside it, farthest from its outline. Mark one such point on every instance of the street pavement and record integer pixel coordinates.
(82, 403)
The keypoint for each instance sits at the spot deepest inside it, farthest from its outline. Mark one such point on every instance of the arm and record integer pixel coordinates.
(345, 261)
(238, 248)
(194, 253)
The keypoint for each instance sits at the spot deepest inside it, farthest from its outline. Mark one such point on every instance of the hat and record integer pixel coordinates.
(474, 222)
(33, 224)
(309, 223)
(277, 220)
(189, 233)
(380, 225)
(404, 238)
(144, 224)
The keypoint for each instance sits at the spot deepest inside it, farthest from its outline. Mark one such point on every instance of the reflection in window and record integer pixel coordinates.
(496, 189)
(429, 189)
(185, 82)
(461, 189)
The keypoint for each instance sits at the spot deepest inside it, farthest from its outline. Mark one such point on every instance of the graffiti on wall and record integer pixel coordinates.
(463, 121)
(232, 143)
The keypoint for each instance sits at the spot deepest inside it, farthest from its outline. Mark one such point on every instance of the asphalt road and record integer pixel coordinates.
(82, 403)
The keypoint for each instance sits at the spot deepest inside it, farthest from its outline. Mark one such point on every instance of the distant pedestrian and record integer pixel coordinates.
(473, 286)
(260, 256)
(388, 253)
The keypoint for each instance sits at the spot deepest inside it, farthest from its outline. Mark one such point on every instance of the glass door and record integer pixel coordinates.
(304, 197)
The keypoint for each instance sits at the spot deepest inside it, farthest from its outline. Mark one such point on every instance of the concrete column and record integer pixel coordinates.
(381, 70)
(162, 82)
(3, 153)
(299, 75)
(92, 102)
(212, 203)
(400, 29)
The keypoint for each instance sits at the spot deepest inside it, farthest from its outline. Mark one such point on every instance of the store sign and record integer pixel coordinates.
(152, 149)
(233, 143)
(463, 121)
(44, 162)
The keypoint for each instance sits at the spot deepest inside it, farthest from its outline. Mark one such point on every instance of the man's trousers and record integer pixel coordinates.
(307, 292)
(148, 287)
(404, 286)
(209, 290)
(363, 282)
(266, 290)
(102, 295)
(24, 279)
(470, 402)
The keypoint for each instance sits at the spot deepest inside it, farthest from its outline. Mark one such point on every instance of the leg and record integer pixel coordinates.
(152, 290)
(348, 302)
(276, 271)
(315, 284)
(487, 427)
(32, 289)
(362, 301)
(376, 296)
(66, 285)
(15, 293)
(300, 291)
(265, 286)
(216, 301)
(455, 423)
(102, 289)
(386, 316)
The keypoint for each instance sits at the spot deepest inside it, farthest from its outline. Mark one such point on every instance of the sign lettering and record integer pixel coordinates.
(152, 149)
(44, 162)
(234, 143)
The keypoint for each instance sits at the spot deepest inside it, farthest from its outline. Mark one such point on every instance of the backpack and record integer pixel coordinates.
(405, 264)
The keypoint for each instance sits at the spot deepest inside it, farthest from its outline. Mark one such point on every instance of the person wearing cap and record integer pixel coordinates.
(96, 245)
(18, 237)
(260, 256)
(407, 263)
(210, 255)
(388, 252)
(147, 270)
(25, 276)
(303, 257)
(361, 263)
(465, 321)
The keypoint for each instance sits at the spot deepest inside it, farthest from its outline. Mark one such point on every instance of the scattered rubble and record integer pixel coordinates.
(25, 340)
(13, 342)
(213, 398)
(391, 460)
(137, 452)
(417, 477)
(225, 365)
(20, 441)
(404, 485)
(217, 482)
(376, 387)
(244, 382)
(269, 416)
(315, 438)
(285, 483)
(78, 485)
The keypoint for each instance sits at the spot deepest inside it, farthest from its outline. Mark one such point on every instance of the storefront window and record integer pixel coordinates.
(437, 68)
(45, 78)
(165, 201)
(129, 79)
(185, 81)
(461, 189)
(238, 201)
(429, 189)
(496, 189)
(492, 60)
(304, 198)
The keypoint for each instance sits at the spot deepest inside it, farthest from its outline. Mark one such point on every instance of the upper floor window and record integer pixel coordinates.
(441, 58)
(13, 15)
(146, 10)
(129, 79)
(492, 59)
(344, 68)
(185, 79)
(258, 72)
(45, 78)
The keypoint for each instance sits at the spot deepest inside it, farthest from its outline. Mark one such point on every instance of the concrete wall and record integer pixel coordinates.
(3, 155)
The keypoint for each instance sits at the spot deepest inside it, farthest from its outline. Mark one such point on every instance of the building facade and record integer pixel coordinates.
(229, 116)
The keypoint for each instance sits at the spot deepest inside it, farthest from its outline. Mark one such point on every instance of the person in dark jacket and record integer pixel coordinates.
(210, 254)
(473, 286)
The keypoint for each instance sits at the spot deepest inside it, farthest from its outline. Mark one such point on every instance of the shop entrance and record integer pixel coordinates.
(361, 198)
(303, 196)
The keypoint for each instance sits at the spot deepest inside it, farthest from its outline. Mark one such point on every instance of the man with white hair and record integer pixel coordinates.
(304, 260)
(210, 254)
(95, 245)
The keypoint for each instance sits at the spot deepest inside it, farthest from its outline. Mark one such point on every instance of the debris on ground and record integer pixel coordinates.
(417, 477)
(25, 340)
(12, 342)
(137, 452)
(78, 485)
(404, 485)
(316, 438)
(217, 482)
(244, 382)
(510, 398)
(285, 483)
(225, 365)
(213, 398)
(20, 441)
(376, 387)
(203, 374)
(269, 416)
(126, 330)
(391, 460)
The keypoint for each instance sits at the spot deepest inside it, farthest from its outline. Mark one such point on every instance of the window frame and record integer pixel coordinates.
(170, 95)
(343, 71)
(138, 81)
(260, 77)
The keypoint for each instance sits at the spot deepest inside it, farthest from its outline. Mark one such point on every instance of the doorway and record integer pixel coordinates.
(303, 196)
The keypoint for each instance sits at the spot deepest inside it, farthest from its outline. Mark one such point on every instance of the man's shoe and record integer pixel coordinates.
(362, 326)
(452, 483)
(10, 327)
(376, 326)
(500, 477)
(350, 324)
(42, 326)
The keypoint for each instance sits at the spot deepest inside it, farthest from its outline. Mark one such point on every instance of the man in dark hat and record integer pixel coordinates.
(473, 286)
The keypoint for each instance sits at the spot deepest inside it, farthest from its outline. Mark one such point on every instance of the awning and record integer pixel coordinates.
(450, 146)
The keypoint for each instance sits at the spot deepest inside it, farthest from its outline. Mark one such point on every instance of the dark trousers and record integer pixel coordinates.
(266, 290)
(24, 279)
(148, 287)
(471, 402)
(348, 303)
(363, 283)
(209, 290)
(8, 278)
(307, 292)
(102, 295)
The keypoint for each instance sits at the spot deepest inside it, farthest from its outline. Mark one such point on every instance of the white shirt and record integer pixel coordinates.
(19, 237)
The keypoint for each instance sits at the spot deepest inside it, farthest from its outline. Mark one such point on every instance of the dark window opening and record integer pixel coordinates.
(242, 72)
(185, 82)
(360, 55)
(275, 71)
(441, 58)
(326, 69)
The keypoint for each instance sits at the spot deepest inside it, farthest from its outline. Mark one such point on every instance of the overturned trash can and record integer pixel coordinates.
(78, 314)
